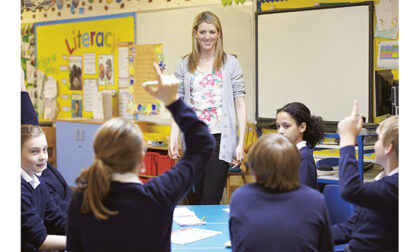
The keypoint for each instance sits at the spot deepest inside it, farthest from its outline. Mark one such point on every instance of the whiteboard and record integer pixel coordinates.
(318, 56)
(173, 28)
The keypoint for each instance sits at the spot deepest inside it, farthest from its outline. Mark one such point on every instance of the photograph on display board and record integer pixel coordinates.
(105, 70)
(75, 77)
(76, 106)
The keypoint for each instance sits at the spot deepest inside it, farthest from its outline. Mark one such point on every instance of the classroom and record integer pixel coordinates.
(285, 139)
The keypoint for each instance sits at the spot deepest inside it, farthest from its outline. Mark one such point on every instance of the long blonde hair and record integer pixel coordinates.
(220, 55)
(118, 148)
(275, 161)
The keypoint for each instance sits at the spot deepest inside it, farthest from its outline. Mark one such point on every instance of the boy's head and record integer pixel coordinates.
(275, 161)
(387, 144)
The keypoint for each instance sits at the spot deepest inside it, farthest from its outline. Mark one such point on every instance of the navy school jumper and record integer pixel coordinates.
(307, 168)
(374, 224)
(56, 184)
(144, 219)
(39, 216)
(268, 220)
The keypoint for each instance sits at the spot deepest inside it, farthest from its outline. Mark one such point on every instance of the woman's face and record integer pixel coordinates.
(34, 155)
(287, 126)
(206, 35)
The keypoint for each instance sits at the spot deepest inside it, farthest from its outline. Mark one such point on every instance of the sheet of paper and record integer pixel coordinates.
(226, 210)
(386, 14)
(106, 69)
(388, 55)
(123, 62)
(124, 97)
(89, 90)
(50, 109)
(188, 220)
(188, 235)
(98, 109)
(89, 63)
(183, 211)
(50, 88)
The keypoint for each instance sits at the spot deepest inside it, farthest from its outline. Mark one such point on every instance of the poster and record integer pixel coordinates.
(90, 89)
(388, 54)
(89, 63)
(105, 69)
(76, 105)
(141, 58)
(75, 72)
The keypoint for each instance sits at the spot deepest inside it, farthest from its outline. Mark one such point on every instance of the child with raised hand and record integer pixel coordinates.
(374, 225)
(55, 182)
(295, 121)
(112, 210)
(277, 213)
(42, 222)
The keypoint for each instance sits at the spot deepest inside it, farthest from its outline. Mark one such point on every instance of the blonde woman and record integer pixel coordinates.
(212, 84)
(112, 210)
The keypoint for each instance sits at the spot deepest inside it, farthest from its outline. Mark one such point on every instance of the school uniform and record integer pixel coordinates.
(267, 220)
(56, 184)
(39, 214)
(144, 219)
(374, 226)
(307, 167)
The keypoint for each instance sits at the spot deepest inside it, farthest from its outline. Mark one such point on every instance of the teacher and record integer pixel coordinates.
(212, 84)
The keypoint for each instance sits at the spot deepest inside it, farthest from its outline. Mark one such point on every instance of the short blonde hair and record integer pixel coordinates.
(275, 161)
(388, 131)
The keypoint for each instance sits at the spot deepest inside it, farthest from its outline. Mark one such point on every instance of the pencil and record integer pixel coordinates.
(202, 219)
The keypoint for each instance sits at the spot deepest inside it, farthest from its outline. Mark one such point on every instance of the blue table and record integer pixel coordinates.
(218, 220)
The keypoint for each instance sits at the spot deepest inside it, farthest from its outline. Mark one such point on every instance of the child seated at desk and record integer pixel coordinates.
(374, 224)
(55, 182)
(278, 212)
(112, 210)
(295, 121)
(42, 222)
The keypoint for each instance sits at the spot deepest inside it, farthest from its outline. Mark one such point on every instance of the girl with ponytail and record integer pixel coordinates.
(295, 121)
(112, 210)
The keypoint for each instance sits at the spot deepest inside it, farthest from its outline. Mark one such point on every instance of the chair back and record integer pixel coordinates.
(338, 209)
(331, 161)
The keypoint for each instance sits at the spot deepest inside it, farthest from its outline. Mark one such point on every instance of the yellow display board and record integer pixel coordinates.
(82, 53)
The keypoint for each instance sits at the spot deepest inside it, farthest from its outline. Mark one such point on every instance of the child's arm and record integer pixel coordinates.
(74, 242)
(27, 111)
(378, 194)
(55, 219)
(170, 187)
(341, 232)
(53, 242)
(325, 240)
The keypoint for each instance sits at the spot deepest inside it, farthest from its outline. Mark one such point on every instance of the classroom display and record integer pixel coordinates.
(321, 56)
(81, 55)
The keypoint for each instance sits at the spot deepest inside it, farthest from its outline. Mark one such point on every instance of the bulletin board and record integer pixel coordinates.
(80, 54)
(320, 56)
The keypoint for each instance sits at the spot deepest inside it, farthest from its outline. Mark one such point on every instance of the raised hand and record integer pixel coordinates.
(350, 126)
(166, 89)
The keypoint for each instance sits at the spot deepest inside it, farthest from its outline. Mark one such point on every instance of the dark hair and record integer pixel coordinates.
(315, 128)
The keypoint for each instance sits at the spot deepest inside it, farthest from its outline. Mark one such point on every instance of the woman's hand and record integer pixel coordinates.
(167, 87)
(350, 127)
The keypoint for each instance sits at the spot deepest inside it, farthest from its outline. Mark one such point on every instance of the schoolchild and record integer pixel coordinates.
(277, 212)
(42, 222)
(295, 121)
(374, 224)
(112, 210)
(55, 182)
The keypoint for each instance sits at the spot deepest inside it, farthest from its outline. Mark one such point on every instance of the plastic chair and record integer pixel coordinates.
(338, 209)
(243, 170)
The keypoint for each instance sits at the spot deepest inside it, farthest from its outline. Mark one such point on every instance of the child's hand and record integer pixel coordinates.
(167, 87)
(350, 127)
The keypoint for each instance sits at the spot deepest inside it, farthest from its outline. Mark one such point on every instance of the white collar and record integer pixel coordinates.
(33, 181)
(301, 144)
(127, 177)
(382, 174)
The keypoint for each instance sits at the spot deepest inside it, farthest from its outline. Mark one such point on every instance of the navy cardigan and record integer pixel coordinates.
(56, 184)
(144, 218)
(374, 225)
(39, 216)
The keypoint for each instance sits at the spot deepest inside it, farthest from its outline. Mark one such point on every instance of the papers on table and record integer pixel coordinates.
(185, 217)
(188, 235)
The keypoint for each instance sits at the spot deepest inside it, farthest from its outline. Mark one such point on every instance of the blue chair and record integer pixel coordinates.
(338, 209)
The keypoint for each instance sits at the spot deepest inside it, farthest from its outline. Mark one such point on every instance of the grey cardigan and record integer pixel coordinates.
(232, 87)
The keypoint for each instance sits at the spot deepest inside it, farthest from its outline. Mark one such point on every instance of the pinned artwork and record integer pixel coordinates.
(36, 4)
